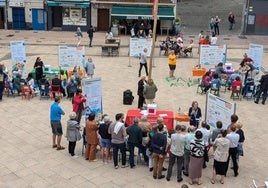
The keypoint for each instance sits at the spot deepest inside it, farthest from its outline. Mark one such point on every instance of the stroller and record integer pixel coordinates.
(249, 89)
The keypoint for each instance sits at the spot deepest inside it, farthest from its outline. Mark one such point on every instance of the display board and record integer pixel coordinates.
(255, 52)
(218, 109)
(136, 46)
(18, 57)
(93, 92)
(212, 54)
(70, 56)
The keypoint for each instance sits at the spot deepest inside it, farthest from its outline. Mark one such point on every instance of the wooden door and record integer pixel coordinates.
(2, 18)
(103, 19)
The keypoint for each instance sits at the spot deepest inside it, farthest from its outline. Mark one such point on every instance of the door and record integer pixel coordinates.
(38, 19)
(103, 19)
(57, 17)
(18, 17)
(2, 18)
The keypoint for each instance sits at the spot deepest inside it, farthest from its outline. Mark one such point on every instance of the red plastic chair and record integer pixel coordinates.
(26, 92)
(55, 91)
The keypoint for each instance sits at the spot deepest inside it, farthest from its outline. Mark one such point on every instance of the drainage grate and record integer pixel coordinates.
(226, 38)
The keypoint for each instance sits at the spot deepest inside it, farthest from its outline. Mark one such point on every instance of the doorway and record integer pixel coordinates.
(2, 18)
(57, 17)
(103, 19)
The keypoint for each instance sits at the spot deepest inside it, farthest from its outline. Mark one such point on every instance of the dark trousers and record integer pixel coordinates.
(142, 148)
(258, 95)
(90, 41)
(172, 159)
(122, 148)
(216, 29)
(140, 101)
(71, 148)
(186, 161)
(233, 154)
(146, 69)
(1, 90)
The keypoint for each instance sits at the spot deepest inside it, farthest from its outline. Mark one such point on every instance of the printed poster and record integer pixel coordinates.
(18, 57)
(212, 54)
(70, 56)
(137, 45)
(218, 109)
(256, 53)
(93, 92)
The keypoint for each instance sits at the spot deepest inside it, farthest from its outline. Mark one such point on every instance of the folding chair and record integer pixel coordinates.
(55, 91)
(26, 92)
(215, 89)
(236, 93)
(44, 91)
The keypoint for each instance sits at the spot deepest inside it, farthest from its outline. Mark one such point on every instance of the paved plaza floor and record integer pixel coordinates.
(26, 156)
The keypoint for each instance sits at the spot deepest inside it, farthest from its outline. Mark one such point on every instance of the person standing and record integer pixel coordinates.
(216, 25)
(194, 114)
(189, 137)
(72, 134)
(206, 138)
(38, 66)
(231, 20)
(91, 138)
(135, 140)
(233, 137)
(118, 134)
(78, 104)
(142, 82)
(263, 89)
(197, 148)
(79, 36)
(90, 32)
(90, 68)
(220, 156)
(176, 152)
(55, 121)
(149, 91)
(159, 144)
(3, 78)
(211, 23)
(172, 60)
(143, 61)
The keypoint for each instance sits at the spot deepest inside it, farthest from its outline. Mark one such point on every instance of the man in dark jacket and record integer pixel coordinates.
(90, 35)
(135, 140)
(3, 77)
(263, 89)
(141, 84)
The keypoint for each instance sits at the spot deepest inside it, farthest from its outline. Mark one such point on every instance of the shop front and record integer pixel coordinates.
(132, 16)
(2, 14)
(68, 15)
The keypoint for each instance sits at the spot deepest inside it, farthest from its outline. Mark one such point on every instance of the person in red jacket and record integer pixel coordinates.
(237, 84)
(78, 104)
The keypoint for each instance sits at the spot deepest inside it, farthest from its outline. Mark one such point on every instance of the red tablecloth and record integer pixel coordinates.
(168, 119)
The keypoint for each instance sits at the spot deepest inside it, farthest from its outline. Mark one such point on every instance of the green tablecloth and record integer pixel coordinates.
(50, 74)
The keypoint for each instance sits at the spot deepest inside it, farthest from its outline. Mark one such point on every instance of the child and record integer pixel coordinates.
(73, 134)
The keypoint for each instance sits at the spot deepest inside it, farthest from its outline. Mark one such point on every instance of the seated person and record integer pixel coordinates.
(220, 71)
(206, 79)
(237, 84)
(71, 87)
(215, 82)
(44, 86)
(232, 78)
(132, 32)
(30, 81)
(57, 82)
(189, 47)
(109, 35)
(77, 76)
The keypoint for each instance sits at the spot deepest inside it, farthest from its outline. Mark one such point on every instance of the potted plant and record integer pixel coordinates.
(177, 20)
(115, 22)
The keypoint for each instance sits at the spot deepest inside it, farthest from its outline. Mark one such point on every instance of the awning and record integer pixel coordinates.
(76, 4)
(119, 12)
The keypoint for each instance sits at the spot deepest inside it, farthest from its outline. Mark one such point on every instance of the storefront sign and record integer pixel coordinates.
(13, 3)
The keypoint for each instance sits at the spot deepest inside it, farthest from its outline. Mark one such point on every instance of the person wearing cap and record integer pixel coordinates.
(78, 104)
(72, 134)
(263, 88)
(105, 138)
(55, 121)
(135, 140)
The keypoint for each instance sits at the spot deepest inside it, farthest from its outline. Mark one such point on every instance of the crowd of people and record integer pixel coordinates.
(190, 146)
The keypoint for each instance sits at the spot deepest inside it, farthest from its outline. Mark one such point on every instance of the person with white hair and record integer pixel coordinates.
(72, 134)
(105, 139)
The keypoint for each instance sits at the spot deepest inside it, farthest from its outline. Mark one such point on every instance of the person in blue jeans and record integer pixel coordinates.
(135, 140)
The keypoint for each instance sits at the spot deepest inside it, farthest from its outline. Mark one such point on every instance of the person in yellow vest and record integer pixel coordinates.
(172, 60)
